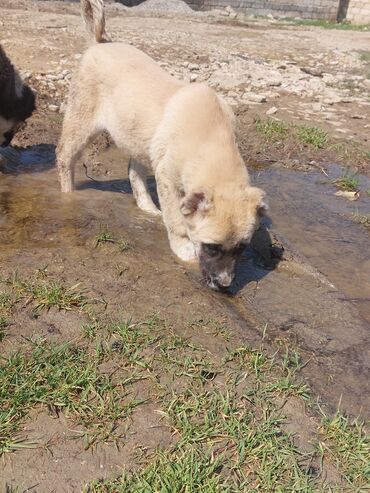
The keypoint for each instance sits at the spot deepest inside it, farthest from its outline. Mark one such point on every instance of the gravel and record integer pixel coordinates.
(164, 6)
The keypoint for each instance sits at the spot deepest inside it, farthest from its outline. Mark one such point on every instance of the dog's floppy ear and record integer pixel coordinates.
(257, 197)
(196, 201)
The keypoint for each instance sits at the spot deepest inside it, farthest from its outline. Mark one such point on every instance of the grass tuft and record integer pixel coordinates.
(107, 237)
(272, 130)
(45, 293)
(346, 442)
(312, 136)
(344, 25)
(347, 182)
(63, 378)
(190, 470)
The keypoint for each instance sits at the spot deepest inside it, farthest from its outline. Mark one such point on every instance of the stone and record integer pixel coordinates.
(193, 77)
(272, 110)
(255, 98)
(329, 79)
(53, 107)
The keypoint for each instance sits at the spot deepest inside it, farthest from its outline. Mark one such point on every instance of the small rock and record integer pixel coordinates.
(271, 111)
(53, 107)
(229, 9)
(274, 83)
(329, 79)
(193, 66)
(193, 77)
(255, 98)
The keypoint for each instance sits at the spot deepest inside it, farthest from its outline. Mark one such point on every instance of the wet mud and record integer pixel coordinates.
(303, 280)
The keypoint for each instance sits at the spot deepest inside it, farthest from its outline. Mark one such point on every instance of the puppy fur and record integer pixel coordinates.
(17, 101)
(187, 131)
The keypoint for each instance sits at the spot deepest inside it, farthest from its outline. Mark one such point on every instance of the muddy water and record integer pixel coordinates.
(320, 225)
(39, 226)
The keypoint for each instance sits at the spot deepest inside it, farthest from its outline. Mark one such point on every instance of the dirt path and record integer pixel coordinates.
(143, 316)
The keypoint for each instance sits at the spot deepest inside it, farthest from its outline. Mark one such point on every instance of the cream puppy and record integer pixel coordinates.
(208, 205)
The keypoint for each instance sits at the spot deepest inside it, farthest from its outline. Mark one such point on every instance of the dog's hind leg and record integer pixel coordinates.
(75, 135)
(137, 175)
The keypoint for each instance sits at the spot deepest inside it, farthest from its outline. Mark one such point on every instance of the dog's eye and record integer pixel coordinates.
(212, 249)
(239, 249)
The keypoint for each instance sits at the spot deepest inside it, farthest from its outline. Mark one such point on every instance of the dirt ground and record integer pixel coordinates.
(72, 269)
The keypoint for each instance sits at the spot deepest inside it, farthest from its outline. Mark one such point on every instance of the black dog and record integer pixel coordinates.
(17, 101)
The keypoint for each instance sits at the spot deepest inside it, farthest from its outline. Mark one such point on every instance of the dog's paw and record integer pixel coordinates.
(185, 250)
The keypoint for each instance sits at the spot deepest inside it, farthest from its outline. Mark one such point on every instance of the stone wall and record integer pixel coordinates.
(305, 9)
(358, 11)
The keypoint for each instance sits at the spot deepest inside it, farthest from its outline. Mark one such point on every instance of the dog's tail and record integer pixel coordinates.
(93, 15)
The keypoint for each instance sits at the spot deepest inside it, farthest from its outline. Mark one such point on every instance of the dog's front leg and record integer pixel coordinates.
(173, 219)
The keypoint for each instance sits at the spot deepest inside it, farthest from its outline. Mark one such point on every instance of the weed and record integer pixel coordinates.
(189, 470)
(347, 443)
(104, 237)
(46, 294)
(313, 136)
(271, 129)
(347, 182)
(344, 25)
(62, 378)
(124, 245)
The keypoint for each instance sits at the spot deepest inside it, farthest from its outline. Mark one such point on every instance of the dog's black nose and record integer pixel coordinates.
(215, 284)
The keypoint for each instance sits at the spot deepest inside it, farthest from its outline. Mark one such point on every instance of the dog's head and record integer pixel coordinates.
(14, 111)
(222, 222)
(17, 101)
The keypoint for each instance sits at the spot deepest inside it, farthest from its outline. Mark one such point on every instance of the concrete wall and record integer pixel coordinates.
(306, 9)
(358, 11)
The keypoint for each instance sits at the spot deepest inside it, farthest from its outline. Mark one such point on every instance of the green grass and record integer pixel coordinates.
(271, 129)
(190, 470)
(345, 25)
(63, 378)
(46, 293)
(347, 443)
(222, 409)
(275, 131)
(313, 136)
(106, 237)
(347, 182)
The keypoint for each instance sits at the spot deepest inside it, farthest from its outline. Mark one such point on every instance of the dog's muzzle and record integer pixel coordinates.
(220, 283)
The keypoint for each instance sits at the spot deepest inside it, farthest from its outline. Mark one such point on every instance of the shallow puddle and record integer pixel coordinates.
(303, 208)
(38, 225)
